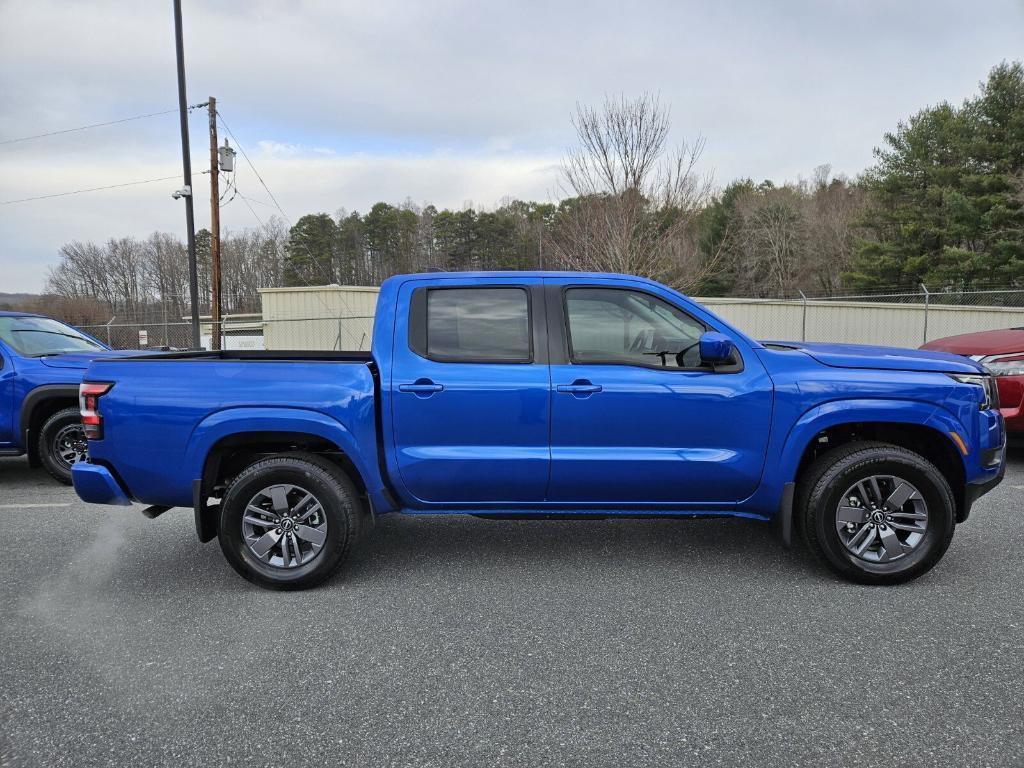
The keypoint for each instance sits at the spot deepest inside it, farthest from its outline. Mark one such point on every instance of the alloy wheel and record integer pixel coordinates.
(881, 518)
(284, 526)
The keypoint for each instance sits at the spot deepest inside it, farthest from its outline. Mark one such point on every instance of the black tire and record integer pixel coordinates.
(331, 487)
(48, 450)
(822, 488)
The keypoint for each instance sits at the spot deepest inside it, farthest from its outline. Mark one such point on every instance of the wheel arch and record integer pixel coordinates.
(923, 429)
(226, 442)
(232, 453)
(38, 406)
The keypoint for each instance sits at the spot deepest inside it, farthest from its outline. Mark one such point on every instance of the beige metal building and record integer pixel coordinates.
(321, 317)
(334, 317)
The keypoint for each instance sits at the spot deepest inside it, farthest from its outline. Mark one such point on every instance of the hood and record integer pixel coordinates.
(82, 359)
(981, 343)
(881, 358)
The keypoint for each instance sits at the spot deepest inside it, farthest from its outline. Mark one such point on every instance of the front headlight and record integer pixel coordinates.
(987, 384)
(1011, 364)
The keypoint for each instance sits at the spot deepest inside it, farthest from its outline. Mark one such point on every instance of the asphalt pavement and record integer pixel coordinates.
(457, 641)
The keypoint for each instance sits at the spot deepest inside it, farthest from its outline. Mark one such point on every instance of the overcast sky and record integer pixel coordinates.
(342, 104)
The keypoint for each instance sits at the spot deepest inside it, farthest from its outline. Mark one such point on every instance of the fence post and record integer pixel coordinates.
(108, 329)
(927, 301)
(803, 322)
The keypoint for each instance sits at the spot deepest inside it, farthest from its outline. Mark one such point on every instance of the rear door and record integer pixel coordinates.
(470, 391)
(637, 418)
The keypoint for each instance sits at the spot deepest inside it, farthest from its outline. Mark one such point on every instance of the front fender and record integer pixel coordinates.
(848, 411)
(834, 413)
(233, 421)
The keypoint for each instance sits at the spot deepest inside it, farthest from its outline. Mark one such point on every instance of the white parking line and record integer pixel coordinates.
(33, 506)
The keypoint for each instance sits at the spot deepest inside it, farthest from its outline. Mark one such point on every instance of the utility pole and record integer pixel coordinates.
(214, 227)
(186, 162)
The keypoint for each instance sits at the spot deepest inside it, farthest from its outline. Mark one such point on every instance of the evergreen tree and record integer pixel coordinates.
(946, 206)
(311, 251)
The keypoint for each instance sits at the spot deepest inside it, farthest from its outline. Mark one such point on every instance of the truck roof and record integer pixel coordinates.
(518, 273)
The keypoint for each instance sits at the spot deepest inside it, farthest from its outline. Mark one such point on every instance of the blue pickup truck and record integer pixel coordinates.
(541, 394)
(41, 365)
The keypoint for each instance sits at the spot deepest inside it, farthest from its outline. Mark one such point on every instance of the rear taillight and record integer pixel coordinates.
(89, 403)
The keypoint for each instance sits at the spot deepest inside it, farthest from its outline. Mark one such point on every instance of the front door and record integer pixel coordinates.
(470, 392)
(636, 416)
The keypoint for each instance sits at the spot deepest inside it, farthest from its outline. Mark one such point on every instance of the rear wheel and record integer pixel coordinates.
(876, 513)
(288, 522)
(62, 443)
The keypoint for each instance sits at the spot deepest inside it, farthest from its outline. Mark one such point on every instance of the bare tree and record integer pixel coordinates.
(633, 200)
(772, 241)
(834, 209)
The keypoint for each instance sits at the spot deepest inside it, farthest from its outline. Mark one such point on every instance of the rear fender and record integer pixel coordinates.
(235, 421)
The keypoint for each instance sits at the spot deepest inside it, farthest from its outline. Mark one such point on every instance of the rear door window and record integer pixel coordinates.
(478, 325)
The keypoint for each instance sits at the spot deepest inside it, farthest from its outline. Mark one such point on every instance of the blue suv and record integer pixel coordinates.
(41, 365)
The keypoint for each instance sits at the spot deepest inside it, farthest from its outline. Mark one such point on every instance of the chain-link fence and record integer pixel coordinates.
(176, 335)
(901, 319)
(312, 333)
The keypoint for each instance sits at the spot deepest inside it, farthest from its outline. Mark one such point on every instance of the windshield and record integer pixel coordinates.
(38, 336)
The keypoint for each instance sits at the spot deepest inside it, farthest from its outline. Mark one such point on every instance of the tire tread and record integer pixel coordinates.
(824, 471)
(42, 445)
(344, 490)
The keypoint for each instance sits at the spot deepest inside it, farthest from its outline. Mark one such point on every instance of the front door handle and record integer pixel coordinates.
(422, 387)
(579, 387)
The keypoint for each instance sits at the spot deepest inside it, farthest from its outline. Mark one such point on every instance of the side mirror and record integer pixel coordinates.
(716, 347)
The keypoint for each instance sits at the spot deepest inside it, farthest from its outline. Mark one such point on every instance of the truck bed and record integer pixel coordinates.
(188, 407)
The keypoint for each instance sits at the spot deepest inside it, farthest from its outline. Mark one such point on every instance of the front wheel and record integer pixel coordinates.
(62, 443)
(876, 513)
(288, 522)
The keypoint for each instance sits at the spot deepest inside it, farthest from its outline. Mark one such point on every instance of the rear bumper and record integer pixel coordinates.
(95, 484)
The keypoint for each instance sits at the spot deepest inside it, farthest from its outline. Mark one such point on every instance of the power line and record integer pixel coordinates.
(254, 200)
(93, 125)
(91, 189)
(270, 194)
(242, 150)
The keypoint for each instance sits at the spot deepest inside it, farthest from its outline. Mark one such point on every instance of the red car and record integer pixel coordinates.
(1002, 352)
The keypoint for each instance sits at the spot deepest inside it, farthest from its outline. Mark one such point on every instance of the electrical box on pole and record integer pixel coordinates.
(227, 158)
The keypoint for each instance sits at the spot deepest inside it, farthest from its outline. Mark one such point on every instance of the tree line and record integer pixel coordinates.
(943, 204)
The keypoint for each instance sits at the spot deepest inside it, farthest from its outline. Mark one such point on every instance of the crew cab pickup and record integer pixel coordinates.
(540, 394)
(41, 365)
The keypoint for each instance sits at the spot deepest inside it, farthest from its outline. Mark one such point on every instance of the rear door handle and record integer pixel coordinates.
(421, 387)
(579, 388)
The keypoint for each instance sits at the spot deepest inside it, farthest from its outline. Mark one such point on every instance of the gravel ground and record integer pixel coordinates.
(457, 641)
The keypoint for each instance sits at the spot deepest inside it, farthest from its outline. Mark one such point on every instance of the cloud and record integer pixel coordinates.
(345, 103)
